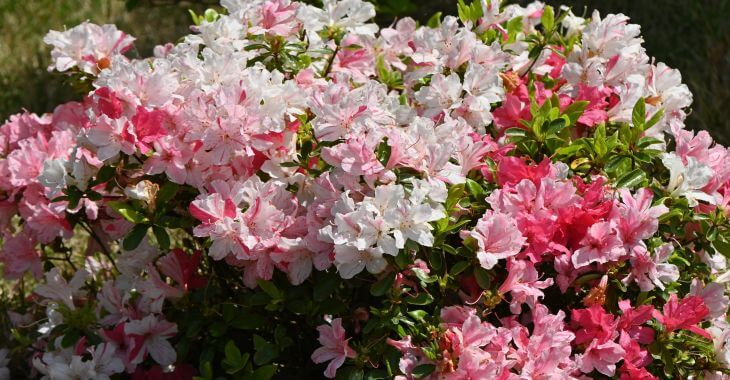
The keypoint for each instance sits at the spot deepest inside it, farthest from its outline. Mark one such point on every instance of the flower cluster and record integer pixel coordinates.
(292, 190)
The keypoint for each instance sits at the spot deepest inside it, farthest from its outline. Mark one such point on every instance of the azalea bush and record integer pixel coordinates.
(293, 192)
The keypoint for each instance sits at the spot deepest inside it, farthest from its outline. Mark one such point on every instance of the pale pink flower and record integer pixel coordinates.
(634, 218)
(601, 356)
(651, 271)
(497, 237)
(601, 245)
(335, 348)
(523, 285)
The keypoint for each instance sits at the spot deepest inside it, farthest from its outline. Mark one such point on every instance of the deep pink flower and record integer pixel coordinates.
(592, 323)
(632, 321)
(683, 314)
(182, 268)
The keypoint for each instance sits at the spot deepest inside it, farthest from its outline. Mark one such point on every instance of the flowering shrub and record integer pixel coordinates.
(294, 192)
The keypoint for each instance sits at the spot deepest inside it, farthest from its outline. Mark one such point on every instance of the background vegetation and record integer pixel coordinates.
(691, 35)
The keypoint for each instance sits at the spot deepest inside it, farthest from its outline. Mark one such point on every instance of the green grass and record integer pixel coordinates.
(693, 36)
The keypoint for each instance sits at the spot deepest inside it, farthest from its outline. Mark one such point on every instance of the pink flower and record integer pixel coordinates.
(182, 268)
(593, 323)
(497, 236)
(277, 18)
(601, 356)
(334, 347)
(713, 294)
(632, 320)
(19, 255)
(148, 127)
(522, 284)
(595, 112)
(635, 219)
(150, 335)
(600, 245)
(684, 314)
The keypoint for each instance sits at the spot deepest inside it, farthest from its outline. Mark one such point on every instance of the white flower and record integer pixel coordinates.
(63, 365)
(573, 24)
(347, 15)
(688, 180)
(53, 176)
(351, 261)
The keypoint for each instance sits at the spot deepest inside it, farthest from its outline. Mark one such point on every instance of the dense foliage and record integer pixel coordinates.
(292, 191)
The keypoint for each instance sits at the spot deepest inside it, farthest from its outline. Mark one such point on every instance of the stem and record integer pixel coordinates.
(331, 60)
(98, 240)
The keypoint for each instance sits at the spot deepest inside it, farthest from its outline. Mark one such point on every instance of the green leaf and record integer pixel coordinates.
(265, 351)
(569, 150)
(721, 246)
(128, 212)
(575, 110)
(135, 236)
(555, 126)
(269, 288)
(421, 299)
(434, 21)
(454, 196)
(418, 315)
(233, 354)
(630, 179)
(104, 174)
(382, 286)
(70, 337)
(166, 192)
(325, 286)
(548, 18)
(458, 268)
(383, 152)
(195, 17)
(470, 13)
(617, 164)
(647, 141)
(264, 373)
(423, 370)
(515, 133)
(163, 239)
(474, 188)
(423, 276)
(638, 115)
(654, 118)
(599, 141)
(249, 321)
(482, 277)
